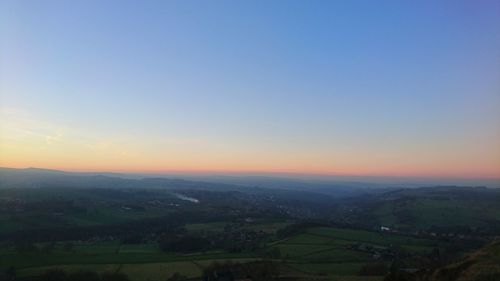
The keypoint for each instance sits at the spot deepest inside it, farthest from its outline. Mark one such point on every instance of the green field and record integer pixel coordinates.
(332, 251)
(265, 226)
(206, 227)
(432, 210)
(375, 238)
(320, 251)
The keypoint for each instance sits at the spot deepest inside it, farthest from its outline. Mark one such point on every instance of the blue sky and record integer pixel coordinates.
(349, 87)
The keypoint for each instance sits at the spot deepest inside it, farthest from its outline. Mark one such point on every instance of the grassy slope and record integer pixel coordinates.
(482, 265)
(329, 251)
(426, 207)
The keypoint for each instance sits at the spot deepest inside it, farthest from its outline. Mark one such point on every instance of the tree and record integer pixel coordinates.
(8, 274)
(48, 248)
(53, 275)
(176, 277)
(83, 276)
(68, 247)
(114, 276)
(184, 243)
(373, 269)
(23, 246)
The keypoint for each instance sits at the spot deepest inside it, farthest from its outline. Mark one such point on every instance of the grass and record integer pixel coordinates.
(336, 255)
(450, 212)
(385, 214)
(106, 255)
(321, 250)
(312, 239)
(376, 238)
(426, 212)
(206, 227)
(267, 227)
(344, 268)
(140, 248)
(156, 271)
(326, 251)
(69, 268)
(206, 263)
(160, 271)
(296, 251)
(97, 248)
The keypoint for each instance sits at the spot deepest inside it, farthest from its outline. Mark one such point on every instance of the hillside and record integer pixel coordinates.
(437, 209)
(482, 265)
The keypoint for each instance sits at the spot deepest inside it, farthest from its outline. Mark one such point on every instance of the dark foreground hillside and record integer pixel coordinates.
(482, 265)
(479, 265)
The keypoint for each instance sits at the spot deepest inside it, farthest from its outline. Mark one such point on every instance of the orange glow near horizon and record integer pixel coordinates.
(56, 147)
(224, 170)
(75, 162)
(325, 88)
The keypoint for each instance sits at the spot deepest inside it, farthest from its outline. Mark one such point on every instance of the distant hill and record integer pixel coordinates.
(334, 188)
(34, 177)
(39, 178)
(42, 178)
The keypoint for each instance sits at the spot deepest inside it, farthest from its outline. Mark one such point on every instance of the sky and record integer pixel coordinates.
(389, 88)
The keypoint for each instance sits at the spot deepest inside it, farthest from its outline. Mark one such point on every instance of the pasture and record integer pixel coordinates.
(324, 252)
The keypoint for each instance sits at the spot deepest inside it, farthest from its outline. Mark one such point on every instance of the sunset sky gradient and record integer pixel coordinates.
(392, 88)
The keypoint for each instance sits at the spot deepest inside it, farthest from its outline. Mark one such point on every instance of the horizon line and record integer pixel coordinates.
(259, 172)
